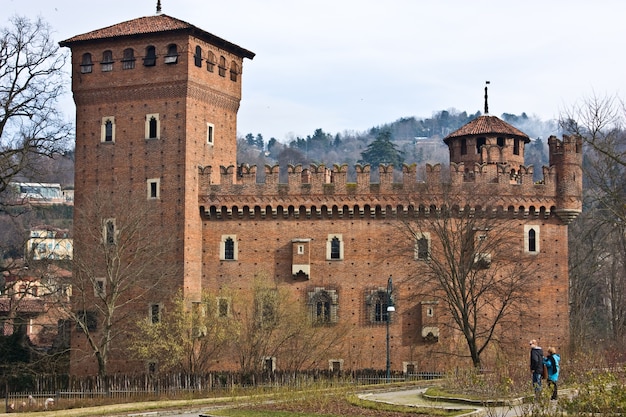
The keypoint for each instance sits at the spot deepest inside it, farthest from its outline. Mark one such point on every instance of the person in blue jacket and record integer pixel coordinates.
(552, 363)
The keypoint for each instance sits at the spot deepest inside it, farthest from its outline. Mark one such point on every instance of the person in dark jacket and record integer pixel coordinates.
(536, 365)
(552, 363)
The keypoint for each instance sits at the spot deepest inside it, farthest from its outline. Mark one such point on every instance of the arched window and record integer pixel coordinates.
(234, 71)
(323, 306)
(378, 304)
(480, 142)
(334, 247)
(172, 54)
(150, 58)
(532, 234)
(107, 61)
(197, 58)
(228, 248)
(532, 242)
(222, 67)
(152, 129)
(210, 61)
(128, 61)
(108, 131)
(86, 64)
(153, 126)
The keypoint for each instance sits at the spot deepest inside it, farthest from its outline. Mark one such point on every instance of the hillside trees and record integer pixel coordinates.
(471, 266)
(31, 83)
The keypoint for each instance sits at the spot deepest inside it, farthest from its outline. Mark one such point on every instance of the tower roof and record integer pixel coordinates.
(487, 125)
(151, 25)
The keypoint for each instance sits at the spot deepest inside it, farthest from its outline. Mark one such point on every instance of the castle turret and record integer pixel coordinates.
(487, 140)
(566, 157)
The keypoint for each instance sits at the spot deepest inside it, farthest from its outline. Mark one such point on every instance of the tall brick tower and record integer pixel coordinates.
(156, 97)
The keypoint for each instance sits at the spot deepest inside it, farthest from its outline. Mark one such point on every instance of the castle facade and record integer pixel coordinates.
(156, 121)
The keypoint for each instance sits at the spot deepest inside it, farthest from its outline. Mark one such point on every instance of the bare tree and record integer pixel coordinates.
(271, 324)
(121, 261)
(472, 267)
(31, 83)
(599, 264)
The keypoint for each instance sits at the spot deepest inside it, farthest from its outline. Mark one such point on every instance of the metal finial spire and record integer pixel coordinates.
(486, 104)
(158, 6)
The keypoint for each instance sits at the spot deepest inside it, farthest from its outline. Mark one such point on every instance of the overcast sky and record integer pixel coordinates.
(352, 64)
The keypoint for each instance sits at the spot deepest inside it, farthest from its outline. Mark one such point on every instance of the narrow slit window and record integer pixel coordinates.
(210, 128)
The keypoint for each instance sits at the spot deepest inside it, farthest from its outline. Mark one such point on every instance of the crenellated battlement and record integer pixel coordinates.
(493, 187)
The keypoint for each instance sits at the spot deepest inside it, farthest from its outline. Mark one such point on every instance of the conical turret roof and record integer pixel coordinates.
(487, 125)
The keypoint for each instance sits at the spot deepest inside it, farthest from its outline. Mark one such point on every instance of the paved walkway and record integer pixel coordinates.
(414, 397)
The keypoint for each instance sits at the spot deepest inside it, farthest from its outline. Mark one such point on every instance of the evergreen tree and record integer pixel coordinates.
(382, 151)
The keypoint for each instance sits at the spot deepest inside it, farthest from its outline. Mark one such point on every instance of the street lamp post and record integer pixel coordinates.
(390, 308)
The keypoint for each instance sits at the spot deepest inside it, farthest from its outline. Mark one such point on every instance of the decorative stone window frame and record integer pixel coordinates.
(223, 248)
(149, 118)
(329, 247)
(320, 294)
(378, 298)
(153, 188)
(528, 239)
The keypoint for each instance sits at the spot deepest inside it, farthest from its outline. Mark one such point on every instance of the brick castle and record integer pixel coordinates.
(156, 118)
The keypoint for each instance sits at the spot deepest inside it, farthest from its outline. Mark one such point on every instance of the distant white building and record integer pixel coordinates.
(41, 193)
(48, 243)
